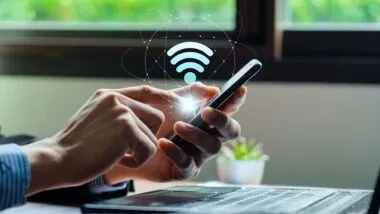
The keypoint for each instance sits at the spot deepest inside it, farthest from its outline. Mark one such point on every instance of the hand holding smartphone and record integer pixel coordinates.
(227, 90)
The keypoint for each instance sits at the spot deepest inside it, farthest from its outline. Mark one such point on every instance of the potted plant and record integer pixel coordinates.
(242, 161)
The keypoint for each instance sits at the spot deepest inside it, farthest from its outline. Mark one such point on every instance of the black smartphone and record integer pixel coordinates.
(227, 90)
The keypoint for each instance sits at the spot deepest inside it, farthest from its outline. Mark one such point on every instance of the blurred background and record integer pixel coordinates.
(153, 12)
(315, 105)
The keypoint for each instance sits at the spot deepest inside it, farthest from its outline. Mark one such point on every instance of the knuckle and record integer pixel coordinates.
(111, 99)
(158, 116)
(195, 86)
(146, 89)
(171, 94)
(100, 92)
(120, 110)
(125, 121)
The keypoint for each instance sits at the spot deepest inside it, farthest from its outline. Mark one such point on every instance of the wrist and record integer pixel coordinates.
(45, 163)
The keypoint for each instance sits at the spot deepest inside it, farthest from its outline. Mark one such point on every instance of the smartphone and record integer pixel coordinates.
(227, 90)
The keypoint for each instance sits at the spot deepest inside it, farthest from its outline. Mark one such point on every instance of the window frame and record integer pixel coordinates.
(329, 56)
(297, 43)
(325, 40)
(285, 54)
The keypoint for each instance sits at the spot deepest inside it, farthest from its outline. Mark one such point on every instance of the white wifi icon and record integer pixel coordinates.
(181, 60)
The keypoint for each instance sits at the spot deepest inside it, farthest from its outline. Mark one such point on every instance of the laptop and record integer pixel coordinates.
(244, 200)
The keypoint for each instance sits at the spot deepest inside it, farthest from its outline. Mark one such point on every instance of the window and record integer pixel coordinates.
(69, 34)
(331, 28)
(117, 14)
(331, 14)
(58, 21)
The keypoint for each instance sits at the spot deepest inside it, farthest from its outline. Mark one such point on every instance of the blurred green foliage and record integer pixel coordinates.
(116, 10)
(158, 11)
(337, 11)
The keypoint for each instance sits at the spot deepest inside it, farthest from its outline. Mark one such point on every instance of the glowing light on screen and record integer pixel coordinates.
(188, 105)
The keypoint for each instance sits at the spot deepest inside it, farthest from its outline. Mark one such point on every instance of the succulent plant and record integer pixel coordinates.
(244, 149)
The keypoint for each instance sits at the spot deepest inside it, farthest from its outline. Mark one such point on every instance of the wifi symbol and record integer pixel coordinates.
(182, 60)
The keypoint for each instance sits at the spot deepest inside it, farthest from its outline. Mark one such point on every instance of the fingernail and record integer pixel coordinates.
(184, 125)
(163, 141)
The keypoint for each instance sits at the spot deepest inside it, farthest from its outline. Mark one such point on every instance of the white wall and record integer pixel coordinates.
(326, 135)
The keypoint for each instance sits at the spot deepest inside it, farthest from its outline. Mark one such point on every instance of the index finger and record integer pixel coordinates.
(149, 95)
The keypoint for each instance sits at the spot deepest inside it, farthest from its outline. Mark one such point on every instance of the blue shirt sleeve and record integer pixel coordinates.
(15, 176)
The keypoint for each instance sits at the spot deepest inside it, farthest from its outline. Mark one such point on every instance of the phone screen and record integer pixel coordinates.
(227, 90)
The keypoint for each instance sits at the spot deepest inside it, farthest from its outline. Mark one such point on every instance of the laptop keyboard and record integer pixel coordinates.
(249, 200)
(262, 200)
(279, 200)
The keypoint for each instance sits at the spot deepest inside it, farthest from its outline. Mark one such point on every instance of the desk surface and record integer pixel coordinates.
(29, 208)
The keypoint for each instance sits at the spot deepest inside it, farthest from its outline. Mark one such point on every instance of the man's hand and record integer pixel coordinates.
(170, 162)
(111, 127)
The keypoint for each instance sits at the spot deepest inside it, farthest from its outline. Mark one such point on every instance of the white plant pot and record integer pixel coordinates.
(240, 171)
